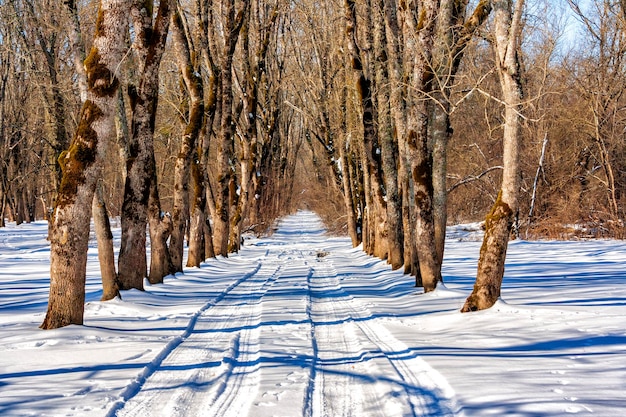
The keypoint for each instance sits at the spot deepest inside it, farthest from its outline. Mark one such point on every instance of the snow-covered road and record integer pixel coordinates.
(248, 352)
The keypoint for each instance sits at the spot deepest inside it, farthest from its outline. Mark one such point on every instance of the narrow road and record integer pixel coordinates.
(287, 339)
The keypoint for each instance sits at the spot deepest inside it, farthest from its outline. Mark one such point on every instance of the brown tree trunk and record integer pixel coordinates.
(197, 219)
(398, 109)
(499, 223)
(193, 83)
(81, 164)
(160, 227)
(374, 224)
(389, 145)
(200, 233)
(150, 43)
(416, 139)
(106, 254)
(225, 147)
(348, 198)
(453, 34)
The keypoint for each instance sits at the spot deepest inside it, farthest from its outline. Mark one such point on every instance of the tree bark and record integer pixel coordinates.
(100, 214)
(81, 165)
(160, 228)
(453, 34)
(499, 223)
(106, 255)
(185, 158)
(225, 148)
(389, 145)
(150, 43)
(374, 241)
(416, 141)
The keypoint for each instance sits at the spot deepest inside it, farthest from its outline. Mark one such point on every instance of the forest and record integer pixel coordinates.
(195, 122)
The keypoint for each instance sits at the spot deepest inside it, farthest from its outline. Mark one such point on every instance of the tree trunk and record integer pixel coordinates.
(416, 139)
(389, 145)
(197, 219)
(160, 227)
(106, 254)
(348, 198)
(499, 223)
(453, 34)
(150, 43)
(225, 147)
(81, 165)
(193, 83)
(374, 239)
(100, 214)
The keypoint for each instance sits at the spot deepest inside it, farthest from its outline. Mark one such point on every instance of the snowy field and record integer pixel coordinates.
(301, 324)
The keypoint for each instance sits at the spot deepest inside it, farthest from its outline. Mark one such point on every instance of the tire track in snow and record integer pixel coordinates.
(427, 392)
(344, 377)
(209, 358)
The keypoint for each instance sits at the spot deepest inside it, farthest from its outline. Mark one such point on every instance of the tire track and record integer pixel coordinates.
(205, 360)
(343, 378)
(427, 391)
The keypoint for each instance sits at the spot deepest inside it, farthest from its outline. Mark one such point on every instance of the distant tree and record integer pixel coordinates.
(600, 79)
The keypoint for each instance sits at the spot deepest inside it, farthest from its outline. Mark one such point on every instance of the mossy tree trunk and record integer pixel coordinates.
(499, 223)
(81, 166)
(185, 158)
(100, 214)
(140, 166)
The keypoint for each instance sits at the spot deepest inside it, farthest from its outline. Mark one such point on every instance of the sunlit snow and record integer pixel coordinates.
(301, 324)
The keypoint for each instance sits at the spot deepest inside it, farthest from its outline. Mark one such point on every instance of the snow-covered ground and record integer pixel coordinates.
(301, 324)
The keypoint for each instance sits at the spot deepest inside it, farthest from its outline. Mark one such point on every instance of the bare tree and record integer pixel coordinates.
(421, 31)
(69, 229)
(100, 214)
(499, 223)
(141, 201)
(188, 148)
(233, 21)
(374, 238)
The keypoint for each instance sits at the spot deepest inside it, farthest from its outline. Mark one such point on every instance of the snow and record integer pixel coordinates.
(301, 324)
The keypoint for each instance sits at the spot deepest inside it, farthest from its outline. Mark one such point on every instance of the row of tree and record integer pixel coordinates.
(197, 120)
